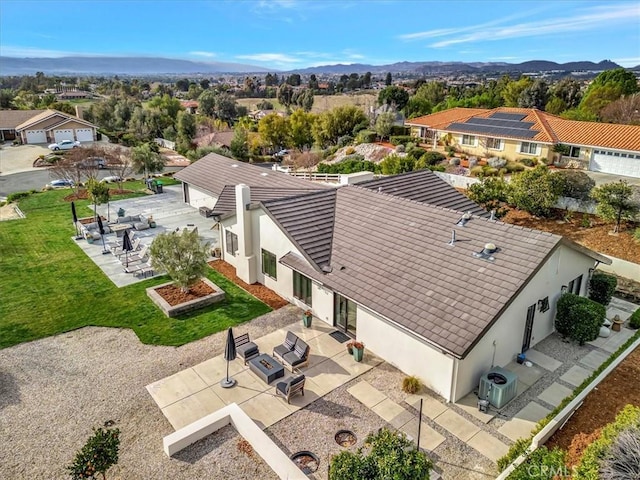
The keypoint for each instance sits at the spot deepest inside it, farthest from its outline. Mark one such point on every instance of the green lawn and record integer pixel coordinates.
(48, 285)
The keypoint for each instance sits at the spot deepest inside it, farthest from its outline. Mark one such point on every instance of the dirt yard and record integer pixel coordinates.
(598, 237)
(600, 407)
(321, 103)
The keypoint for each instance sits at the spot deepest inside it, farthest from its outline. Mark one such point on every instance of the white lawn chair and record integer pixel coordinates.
(137, 257)
(119, 251)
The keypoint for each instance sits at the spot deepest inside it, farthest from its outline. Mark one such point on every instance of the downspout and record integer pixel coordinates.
(454, 380)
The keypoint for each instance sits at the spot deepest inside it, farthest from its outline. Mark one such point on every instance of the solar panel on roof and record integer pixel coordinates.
(508, 116)
(492, 130)
(500, 123)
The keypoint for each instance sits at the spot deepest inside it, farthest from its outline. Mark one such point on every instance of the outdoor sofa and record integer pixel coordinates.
(92, 230)
(293, 353)
(139, 222)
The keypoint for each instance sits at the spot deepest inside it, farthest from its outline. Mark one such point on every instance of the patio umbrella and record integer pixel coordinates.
(127, 247)
(229, 354)
(75, 219)
(101, 229)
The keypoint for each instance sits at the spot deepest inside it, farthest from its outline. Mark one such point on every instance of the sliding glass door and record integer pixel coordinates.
(344, 314)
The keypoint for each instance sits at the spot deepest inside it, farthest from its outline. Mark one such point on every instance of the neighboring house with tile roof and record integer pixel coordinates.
(381, 266)
(44, 126)
(516, 133)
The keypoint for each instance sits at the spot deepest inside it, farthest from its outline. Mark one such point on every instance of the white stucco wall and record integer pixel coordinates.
(199, 198)
(406, 352)
(563, 266)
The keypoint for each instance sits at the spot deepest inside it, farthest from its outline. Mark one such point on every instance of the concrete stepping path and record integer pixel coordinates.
(542, 360)
(575, 375)
(554, 394)
(524, 421)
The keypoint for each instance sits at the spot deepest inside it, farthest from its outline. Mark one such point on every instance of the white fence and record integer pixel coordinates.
(165, 143)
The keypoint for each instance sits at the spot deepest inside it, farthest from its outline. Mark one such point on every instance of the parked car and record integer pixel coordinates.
(64, 145)
(281, 153)
(92, 162)
(111, 179)
(60, 183)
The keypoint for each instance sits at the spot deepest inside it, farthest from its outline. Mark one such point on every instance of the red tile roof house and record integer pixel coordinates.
(527, 132)
(376, 260)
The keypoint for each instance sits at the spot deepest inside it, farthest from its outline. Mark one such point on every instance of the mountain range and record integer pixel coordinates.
(169, 66)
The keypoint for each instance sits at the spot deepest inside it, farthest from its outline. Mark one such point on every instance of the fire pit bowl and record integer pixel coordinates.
(306, 461)
(346, 438)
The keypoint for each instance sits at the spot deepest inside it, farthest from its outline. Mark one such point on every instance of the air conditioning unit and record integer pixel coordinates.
(498, 386)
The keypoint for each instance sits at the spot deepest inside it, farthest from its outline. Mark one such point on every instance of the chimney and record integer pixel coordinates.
(246, 260)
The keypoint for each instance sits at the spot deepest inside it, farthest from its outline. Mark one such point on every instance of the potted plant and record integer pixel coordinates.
(306, 318)
(358, 350)
(88, 237)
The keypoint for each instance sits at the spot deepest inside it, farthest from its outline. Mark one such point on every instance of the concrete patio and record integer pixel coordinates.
(169, 212)
(195, 392)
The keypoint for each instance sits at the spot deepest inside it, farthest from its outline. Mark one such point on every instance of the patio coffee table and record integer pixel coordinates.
(120, 228)
(266, 368)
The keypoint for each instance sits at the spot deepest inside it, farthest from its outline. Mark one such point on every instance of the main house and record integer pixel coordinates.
(516, 133)
(406, 264)
(44, 126)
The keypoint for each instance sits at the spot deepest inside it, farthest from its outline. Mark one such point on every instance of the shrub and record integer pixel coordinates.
(477, 171)
(366, 136)
(265, 105)
(454, 161)
(400, 130)
(437, 168)
(390, 455)
(432, 158)
(517, 449)
(535, 191)
(636, 234)
(451, 151)
(350, 151)
(12, 197)
(623, 459)
(98, 455)
(345, 140)
(411, 384)
(594, 454)
(529, 162)
(634, 320)
(488, 171)
(542, 464)
(513, 167)
(579, 318)
(352, 164)
(602, 287)
(490, 194)
(400, 149)
(576, 184)
(401, 139)
(497, 162)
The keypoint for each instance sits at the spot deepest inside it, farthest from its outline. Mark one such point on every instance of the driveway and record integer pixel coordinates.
(602, 178)
(20, 158)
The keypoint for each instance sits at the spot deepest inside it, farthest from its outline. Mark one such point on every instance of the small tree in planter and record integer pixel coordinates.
(181, 255)
(97, 456)
(579, 318)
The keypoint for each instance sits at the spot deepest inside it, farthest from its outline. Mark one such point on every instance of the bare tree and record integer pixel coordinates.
(119, 164)
(623, 110)
(305, 159)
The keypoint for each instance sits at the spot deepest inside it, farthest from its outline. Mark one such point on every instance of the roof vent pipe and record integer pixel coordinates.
(453, 238)
(379, 189)
(493, 215)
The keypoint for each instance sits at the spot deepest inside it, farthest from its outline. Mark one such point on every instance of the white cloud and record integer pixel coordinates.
(34, 52)
(627, 62)
(596, 18)
(279, 58)
(199, 53)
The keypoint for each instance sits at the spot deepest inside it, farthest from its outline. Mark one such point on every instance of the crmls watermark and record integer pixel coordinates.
(546, 471)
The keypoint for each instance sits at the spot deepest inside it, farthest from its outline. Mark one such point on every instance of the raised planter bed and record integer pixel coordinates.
(182, 308)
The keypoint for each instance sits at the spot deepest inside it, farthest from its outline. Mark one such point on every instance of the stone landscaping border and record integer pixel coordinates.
(559, 419)
(198, 303)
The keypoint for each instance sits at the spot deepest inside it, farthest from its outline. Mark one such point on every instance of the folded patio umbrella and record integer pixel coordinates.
(229, 354)
(101, 229)
(75, 219)
(127, 247)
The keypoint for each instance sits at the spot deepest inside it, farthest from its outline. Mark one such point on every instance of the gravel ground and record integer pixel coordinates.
(54, 390)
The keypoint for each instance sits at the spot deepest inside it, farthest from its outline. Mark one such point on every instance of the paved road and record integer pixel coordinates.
(36, 179)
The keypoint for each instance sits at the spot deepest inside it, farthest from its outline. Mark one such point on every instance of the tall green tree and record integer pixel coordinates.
(145, 159)
(534, 95)
(535, 191)
(384, 124)
(387, 79)
(285, 94)
(338, 122)
(274, 131)
(512, 91)
(393, 95)
(207, 103)
(616, 202)
(301, 129)
(240, 144)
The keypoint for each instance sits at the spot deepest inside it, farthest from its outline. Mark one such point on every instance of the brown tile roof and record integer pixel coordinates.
(50, 119)
(550, 128)
(10, 119)
(424, 186)
(227, 200)
(308, 221)
(213, 172)
(393, 256)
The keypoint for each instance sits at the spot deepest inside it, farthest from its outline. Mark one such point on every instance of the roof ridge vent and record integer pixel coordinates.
(464, 219)
(487, 252)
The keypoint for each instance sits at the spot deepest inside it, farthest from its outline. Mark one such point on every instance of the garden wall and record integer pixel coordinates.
(622, 268)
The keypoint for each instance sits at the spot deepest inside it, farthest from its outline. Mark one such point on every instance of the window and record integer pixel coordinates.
(575, 285)
(530, 148)
(574, 152)
(269, 264)
(302, 288)
(468, 140)
(494, 143)
(231, 240)
(543, 304)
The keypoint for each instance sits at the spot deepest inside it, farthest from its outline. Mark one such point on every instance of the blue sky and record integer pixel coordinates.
(290, 34)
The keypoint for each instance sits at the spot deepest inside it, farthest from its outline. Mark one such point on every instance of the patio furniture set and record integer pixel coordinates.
(293, 353)
(137, 260)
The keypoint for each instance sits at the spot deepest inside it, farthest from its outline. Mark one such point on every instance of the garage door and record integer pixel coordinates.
(60, 135)
(618, 163)
(36, 136)
(84, 134)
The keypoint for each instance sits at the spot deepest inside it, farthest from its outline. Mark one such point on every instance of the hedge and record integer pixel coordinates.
(579, 318)
(602, 287)
(401, 139)
(634, 319)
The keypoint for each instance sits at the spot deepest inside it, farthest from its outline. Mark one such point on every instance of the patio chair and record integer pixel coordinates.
(141, 269)
(118, 243)
(245, 348)
(137, 256)
(293, 353)
(289, 342)
(118, 251)
(290, 387)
